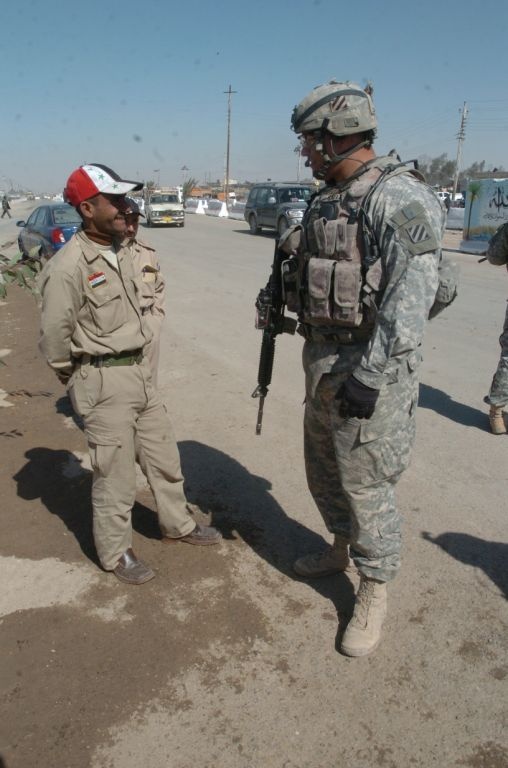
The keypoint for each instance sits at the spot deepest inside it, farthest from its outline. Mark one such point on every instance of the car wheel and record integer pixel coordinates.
(253, 225)
(282, 226)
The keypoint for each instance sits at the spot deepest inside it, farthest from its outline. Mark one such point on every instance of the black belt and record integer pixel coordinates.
(130, 357)
(337, 335)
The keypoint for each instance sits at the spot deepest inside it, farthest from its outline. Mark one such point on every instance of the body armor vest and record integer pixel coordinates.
(340, 275)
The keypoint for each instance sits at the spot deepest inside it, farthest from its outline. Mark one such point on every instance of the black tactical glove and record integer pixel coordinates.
(356, 399)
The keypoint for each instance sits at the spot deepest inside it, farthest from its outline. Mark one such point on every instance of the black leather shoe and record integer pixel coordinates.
(202, 535)
(131, 570)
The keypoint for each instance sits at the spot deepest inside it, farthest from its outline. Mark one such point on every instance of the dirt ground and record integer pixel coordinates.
(225, 660)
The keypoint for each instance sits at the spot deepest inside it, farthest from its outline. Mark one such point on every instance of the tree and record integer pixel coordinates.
(473, 192)
(187, 187)
(438, 171)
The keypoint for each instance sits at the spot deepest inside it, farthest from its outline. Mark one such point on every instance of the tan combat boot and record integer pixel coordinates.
(333, 559)
(496, 419)
(363, 632)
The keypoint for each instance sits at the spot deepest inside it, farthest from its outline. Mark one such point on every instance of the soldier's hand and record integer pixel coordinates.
(356, 399)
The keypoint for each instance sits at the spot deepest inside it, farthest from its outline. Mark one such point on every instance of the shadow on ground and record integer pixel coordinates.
(241, 505)
(63, 486)
(490, 556)
(442, 403)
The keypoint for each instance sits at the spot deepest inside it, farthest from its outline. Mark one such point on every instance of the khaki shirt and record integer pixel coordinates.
(88, 306)
(152, 283)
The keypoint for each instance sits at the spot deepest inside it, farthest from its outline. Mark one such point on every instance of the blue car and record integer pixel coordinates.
(48, 228)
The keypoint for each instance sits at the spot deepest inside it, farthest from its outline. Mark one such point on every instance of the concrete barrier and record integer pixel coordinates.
(236, 210)
(217, 208)
(476, 247)
(195, 205)
(455, 218)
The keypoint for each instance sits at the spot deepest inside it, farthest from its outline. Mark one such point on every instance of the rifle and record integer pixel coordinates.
(270, 319)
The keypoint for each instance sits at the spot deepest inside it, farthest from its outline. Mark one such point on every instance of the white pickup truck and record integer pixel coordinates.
(164, 208)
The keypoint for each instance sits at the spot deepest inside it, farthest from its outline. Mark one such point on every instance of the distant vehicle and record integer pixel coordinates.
(164, 208)
(49, 227)
(276, 205)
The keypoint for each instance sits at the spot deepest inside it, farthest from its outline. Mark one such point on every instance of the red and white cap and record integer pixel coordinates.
(90, 180)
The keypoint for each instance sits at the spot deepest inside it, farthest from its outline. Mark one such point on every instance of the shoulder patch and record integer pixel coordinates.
(144, 245)
(414, 229)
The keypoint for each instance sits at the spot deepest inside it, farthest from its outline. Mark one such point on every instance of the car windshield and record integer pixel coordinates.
(295, 195)
(65, 214)
(164, 199)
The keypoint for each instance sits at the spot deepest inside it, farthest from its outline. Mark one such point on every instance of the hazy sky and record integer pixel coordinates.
(139, 85)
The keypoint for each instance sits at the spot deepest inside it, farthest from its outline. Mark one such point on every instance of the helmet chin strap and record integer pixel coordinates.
(333, 159)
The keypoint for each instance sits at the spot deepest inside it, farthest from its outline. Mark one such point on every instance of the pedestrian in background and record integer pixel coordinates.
(6, 208)
(93, 336)
(497, 253)
(152, 285)
(363, 279)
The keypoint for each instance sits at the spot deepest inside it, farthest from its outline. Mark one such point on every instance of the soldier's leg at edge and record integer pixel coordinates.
(498, 393)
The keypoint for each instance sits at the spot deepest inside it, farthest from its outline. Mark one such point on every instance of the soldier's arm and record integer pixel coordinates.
(60, 307)
(411, 278)
(497, 252)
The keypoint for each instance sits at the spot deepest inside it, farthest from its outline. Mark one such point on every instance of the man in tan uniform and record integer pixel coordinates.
(152, 285)
(93, 336)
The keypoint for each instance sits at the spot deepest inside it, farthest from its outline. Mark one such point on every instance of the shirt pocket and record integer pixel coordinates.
(107, 311)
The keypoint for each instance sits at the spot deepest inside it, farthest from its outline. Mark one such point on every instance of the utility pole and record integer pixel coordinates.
(226, 185)
(460, 140)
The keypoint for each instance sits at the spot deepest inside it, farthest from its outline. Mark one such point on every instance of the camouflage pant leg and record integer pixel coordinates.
(320, 462)
(498, 394)
(369, 456)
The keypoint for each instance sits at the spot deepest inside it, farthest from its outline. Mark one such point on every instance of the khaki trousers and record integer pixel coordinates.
(124, 418)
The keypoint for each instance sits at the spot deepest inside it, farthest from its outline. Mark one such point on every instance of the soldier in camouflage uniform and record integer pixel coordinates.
(497, 398)
(362, 276)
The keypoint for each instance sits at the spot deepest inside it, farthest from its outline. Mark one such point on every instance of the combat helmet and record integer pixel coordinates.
(339, 108)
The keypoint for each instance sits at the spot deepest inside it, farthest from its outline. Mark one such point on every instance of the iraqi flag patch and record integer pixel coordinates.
(98, 278)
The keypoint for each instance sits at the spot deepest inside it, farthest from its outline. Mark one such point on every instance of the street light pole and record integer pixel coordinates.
(226, 185)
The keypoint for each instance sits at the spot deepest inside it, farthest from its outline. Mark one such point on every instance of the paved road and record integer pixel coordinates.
(248, 675)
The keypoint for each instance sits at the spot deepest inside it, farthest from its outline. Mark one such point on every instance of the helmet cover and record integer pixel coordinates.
(341, 109)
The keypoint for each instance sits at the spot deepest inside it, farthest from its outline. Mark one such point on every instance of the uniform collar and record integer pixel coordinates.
(91, 250)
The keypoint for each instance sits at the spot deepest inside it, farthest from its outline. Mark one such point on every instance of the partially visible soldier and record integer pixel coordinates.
(93, 336)
(152, 284)
(362, 277)
(497, 398)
